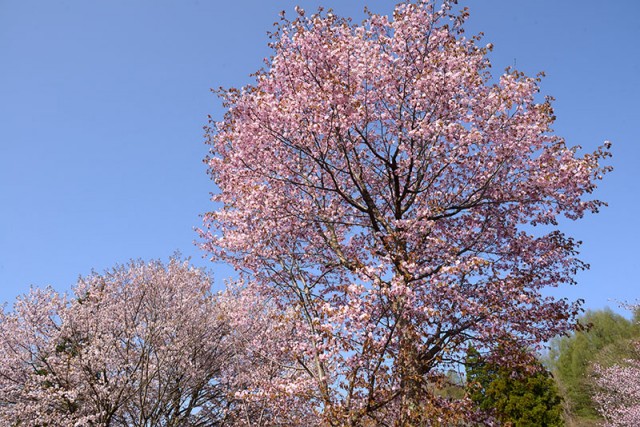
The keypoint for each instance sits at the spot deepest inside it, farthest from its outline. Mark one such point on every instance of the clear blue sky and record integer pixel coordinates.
(102, 105)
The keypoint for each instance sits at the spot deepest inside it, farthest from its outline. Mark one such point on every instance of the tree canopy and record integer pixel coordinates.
(379, 183)
(140, 345)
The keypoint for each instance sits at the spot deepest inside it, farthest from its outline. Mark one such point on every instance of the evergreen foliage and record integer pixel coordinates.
(521, 398)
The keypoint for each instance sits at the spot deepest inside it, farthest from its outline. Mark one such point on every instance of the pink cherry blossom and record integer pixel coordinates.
(618, 394)
(142, 344)
(398, 203)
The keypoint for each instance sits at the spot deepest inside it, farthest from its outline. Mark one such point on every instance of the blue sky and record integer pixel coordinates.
(102, 105)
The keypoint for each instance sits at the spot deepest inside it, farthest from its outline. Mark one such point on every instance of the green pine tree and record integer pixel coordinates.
(517, 397)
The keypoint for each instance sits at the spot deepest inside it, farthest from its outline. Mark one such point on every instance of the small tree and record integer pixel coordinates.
(377, 183)
(605, 340)
(518, 397)
(617, 393)
(139, 345)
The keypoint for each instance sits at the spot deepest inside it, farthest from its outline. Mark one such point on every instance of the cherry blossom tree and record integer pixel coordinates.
(141, 345)
(618, 399)
(401, 204)
(618, 389)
